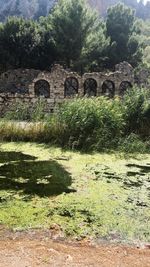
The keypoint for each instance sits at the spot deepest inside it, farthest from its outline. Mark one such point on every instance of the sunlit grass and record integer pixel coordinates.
(105, 202)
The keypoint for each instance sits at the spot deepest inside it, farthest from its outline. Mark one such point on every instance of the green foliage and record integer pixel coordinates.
(20, 112)
(136, 103)
(75, 35)
(144, 38)
(26, 44)
(78, 33)
(90, 123)
(124, 44)
(133, 144)
(18, 41)
(46, 51)
(24, 112)
(146, 55)
(38, 110)
(98, 124)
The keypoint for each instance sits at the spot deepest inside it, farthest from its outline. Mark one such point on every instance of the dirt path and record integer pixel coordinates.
(28, 250)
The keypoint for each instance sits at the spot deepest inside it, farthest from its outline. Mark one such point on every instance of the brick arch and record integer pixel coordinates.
(90, 87)
(71, 87)
(42, 88)
(108, 88)
(124, 86)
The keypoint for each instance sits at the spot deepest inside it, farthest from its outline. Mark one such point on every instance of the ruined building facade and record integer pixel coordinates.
(28, 85)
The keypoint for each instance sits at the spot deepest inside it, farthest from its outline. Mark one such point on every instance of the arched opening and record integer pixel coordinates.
(124, 86)
(71, 87)
(90, 87)
(42, 88)
(108, 88)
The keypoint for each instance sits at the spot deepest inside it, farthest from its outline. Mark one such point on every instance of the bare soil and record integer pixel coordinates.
(39, 248)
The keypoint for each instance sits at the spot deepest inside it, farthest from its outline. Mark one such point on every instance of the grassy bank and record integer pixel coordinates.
(86, 195)
(87, 124)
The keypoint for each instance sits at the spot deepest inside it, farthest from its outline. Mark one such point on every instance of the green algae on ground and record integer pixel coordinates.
(97, 195)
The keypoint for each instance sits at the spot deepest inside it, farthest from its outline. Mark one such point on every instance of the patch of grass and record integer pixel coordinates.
(18, 213)
(24, 131)
(133, 144)
(110, 198)
(25, 112)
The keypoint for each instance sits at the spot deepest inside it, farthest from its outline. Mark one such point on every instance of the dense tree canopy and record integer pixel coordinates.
(75, 35)
(144, 38)
(19, 39)
(123, 35)
(78, 33)
(26, 43)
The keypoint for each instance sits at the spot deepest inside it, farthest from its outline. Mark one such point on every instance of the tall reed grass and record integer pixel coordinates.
(88, 124)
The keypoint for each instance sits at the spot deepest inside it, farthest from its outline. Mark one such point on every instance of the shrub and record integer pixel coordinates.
(86, 123)
(20, 112)
(136, 103)
(90, 123)
(25, 112)
(38, 110)
(133, 144)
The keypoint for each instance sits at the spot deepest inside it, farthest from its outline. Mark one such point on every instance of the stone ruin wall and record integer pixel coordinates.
(28, 85)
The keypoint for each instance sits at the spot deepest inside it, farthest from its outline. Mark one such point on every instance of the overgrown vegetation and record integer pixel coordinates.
(87, 124)
(25, 112)
(85, 195)
(91, 123)
(136, 105)
(102, 197)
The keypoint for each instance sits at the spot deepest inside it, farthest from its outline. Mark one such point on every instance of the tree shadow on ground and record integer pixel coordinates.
(43, 178)
(135, 177)
(144, 169)
(14, 156)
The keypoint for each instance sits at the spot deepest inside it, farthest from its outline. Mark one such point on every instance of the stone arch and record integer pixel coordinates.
(42, 88)
(71, 87)
(90, 87)
(124, 86)
(108, 88)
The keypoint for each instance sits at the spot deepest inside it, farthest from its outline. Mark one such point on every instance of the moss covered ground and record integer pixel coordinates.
(88, 195)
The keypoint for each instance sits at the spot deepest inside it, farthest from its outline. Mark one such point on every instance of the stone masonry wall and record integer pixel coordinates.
(27, 85)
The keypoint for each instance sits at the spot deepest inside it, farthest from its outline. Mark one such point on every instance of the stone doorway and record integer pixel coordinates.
(90, 87)
(42, 88)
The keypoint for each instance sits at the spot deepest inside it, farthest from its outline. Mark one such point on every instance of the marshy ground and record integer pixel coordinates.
(69, 197)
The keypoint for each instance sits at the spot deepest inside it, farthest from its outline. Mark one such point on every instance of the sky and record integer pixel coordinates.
(145, 1)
